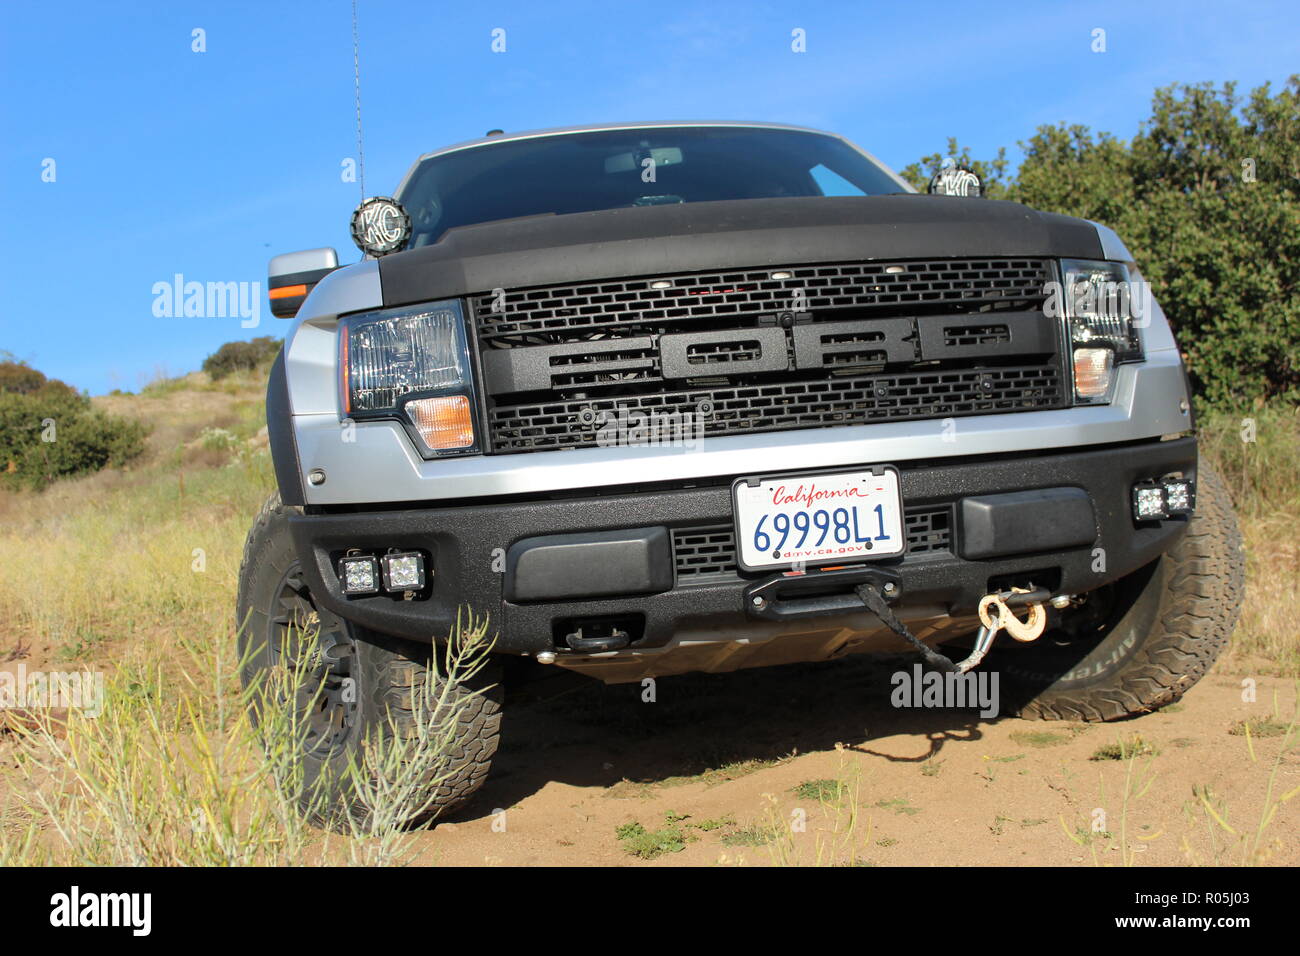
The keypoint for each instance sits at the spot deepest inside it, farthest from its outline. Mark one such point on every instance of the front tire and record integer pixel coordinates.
(354, 689)
(1163, 626)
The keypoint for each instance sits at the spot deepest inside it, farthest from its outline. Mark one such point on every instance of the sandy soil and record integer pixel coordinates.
(931, 787)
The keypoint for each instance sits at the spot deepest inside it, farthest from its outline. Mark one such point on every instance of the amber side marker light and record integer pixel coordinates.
(1092, 372)
(444, 422)
(287, 291)
(346, 371)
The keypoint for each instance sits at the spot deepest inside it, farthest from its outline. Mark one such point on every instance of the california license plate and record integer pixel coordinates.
(818, 519)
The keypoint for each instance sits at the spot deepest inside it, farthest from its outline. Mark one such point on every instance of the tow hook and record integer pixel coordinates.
(995, 613)
(615, 640)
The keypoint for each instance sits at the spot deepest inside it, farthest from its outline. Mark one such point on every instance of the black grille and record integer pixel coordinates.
(928, 530)
(724, 353)
(565, 312)
(778, 406)
(706, 554)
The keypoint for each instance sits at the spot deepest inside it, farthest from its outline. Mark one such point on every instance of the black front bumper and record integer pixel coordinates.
(470, 548)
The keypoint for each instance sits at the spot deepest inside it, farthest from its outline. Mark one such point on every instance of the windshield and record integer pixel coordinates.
(609, 169)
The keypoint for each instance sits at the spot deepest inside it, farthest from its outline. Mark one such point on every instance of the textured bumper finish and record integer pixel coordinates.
(589, 564)
(1022, 522)
(465, 542)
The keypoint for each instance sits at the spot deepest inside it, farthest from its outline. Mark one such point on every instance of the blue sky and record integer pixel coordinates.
(205, 164)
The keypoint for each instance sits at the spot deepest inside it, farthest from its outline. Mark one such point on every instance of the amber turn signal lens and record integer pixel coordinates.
(1092, 372)
(287, 292)
(443, 422)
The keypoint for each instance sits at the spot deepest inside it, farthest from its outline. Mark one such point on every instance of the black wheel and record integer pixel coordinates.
(1141, 642)
(348, 688)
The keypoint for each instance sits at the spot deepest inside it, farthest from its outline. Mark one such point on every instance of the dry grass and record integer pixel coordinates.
(1263, 476)
(133, 573)
(124, 557)
(1267, 641)
(174, 771)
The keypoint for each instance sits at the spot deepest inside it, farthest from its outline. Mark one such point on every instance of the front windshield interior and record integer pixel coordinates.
(610, 169)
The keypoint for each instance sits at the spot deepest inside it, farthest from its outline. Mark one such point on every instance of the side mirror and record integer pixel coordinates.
(291, 276)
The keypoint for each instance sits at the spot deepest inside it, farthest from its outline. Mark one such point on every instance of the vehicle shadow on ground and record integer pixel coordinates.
(573, 730)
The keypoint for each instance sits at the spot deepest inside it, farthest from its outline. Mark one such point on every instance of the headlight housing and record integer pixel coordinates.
(412, 364)
(1103, 308)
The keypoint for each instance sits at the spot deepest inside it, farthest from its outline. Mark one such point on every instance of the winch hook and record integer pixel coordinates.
(1027, 630)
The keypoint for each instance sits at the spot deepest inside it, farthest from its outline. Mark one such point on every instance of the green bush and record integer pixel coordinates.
(20, 378)
(1207, 198)
(53, 432)
(241, 356)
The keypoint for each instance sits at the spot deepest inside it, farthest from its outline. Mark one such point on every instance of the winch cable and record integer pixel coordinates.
(989, 626)
(875, 603)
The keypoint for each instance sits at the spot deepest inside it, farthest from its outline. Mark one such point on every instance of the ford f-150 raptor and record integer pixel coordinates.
(676, 397)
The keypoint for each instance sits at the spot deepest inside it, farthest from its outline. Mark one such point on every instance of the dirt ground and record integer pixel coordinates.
(722, 768)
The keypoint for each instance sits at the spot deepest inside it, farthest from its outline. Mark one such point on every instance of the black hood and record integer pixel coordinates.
(695, 237)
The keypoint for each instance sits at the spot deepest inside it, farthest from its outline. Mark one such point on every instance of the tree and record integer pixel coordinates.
(241, 356)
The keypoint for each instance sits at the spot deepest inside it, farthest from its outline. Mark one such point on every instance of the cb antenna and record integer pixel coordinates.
(356, 74)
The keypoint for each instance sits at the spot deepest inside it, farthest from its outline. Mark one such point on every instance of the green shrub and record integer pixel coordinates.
(53, 432)
(19, 377)
(241, 356)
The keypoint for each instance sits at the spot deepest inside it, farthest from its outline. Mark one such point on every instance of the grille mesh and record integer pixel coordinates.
(707, 554)
(570, 310)
(779, 406)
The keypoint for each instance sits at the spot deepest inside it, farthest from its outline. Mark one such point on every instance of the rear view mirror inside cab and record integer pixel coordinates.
(628, 162)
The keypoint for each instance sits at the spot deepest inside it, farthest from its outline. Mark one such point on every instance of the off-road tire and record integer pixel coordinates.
(387, 673)
(1174, 618)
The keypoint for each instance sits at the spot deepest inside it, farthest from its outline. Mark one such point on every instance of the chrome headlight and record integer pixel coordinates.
(412, 364)
(1103, 308)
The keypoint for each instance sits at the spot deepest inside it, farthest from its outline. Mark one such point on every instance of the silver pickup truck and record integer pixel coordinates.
(673, 397)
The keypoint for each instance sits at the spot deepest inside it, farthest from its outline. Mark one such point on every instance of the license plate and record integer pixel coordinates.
(818, 519)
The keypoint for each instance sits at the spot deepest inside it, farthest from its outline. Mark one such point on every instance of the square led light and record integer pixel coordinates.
(1178, 496)
(359, 574)
(403, 572)
(1149, 502)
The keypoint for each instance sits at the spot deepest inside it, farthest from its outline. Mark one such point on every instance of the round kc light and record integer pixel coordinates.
(380, 225)
(954, 180)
